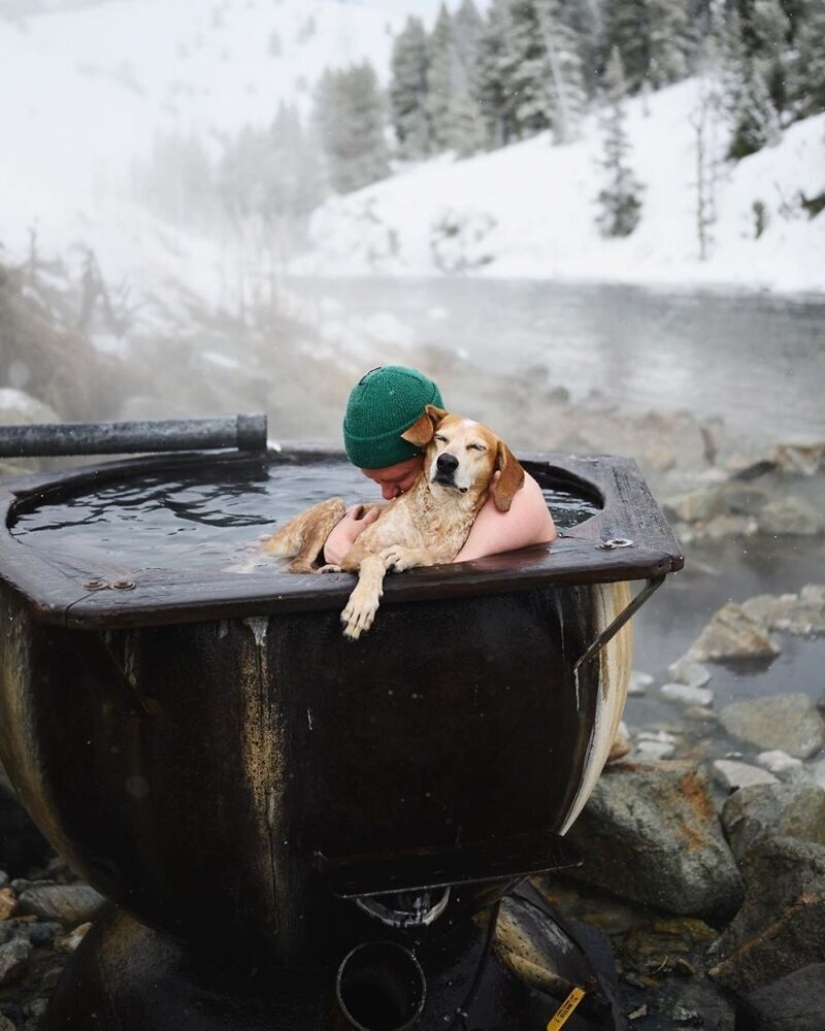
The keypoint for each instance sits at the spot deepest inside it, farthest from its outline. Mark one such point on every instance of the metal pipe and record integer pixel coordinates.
(244, 432)
(380, 986)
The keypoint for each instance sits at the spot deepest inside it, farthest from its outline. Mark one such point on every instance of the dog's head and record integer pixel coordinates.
(464, 455)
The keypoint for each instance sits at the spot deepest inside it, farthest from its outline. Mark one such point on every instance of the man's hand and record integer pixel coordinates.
(345, 533)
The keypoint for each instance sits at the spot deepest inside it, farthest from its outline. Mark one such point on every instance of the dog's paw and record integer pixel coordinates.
(330, 568)
(358, 615)
(398, 558)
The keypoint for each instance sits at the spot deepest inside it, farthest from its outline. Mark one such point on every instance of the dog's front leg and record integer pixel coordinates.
(363, 602)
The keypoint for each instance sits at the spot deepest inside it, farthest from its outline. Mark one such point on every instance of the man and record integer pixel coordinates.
(382, 405)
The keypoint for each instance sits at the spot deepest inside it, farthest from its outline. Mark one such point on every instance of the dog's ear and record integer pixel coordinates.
(511, 478)
(422, 430)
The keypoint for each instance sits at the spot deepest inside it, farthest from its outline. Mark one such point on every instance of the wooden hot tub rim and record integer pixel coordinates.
(57, 593)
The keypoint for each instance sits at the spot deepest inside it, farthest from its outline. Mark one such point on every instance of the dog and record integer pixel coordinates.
(426, 525)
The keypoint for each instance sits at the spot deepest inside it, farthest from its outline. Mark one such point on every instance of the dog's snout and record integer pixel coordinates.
(446, 463)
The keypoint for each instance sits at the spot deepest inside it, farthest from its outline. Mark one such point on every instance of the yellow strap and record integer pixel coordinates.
(566, 1010)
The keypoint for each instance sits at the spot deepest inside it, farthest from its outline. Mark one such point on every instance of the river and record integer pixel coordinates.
(755, 360)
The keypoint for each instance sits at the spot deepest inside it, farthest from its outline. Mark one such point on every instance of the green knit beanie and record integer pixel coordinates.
(381, 405)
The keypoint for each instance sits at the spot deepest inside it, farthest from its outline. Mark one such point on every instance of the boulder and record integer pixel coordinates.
(683, 671)
(799, 459)
(649, 833)
(802, 614)
(788, 810)
(795, 1002)
(781, 925)
(686, 694)
(734, 775)
(732, 634)
(791, 516)
(790, 723)
(71, 904)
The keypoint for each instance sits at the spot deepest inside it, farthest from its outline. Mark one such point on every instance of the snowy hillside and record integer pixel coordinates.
(530, 210)
(96, 85)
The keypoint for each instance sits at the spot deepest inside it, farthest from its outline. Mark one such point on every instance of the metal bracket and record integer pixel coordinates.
(653, 584)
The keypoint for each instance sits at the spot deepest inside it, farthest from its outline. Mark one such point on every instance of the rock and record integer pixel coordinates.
(744, 499)
(781, 924)
(71, 904)
(791, 516)
(788, 810)
(649, 833)
(816, 773)
(621, 744)
(686, 694)
(8, 903)
(656, 744)
(778, 761)
(694, 674)
(802, 614)
(732, 634)
(790, 723)
(695, 506)
(14, 958)
(795, 1002)
(655, 750)
(723, 526)
(639, 682)
(70, 942)
(735, 775)
(17, 408)
(802, 459)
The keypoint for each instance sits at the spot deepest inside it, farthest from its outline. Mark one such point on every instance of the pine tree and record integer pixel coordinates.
(751, 112)
(770, 33)
(350, 118)
(441, 79)
(620, 202)
(629, 32)
(672, 42)
(806, 88)
(467, 133)
(408, 90)
(655, 39)
(493, 90)
(586, 20)
(563, 77)
(525, 70)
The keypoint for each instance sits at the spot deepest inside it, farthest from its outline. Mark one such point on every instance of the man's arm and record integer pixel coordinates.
(527, 522)
(344, 534)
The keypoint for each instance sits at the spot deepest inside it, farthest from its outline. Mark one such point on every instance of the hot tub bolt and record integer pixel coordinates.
(123, 585)
(95, 584)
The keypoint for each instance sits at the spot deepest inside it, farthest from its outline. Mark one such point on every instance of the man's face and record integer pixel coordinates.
(396, 479)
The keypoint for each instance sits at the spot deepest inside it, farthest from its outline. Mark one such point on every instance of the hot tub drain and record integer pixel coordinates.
(380, 986)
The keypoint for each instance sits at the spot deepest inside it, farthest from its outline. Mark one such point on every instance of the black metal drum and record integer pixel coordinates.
(258, 794)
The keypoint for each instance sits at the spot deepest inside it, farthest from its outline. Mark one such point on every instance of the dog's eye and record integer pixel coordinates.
(440, 438)
(476, 447)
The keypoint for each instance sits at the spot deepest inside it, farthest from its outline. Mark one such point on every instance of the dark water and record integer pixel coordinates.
(206, 516)
(755, 360)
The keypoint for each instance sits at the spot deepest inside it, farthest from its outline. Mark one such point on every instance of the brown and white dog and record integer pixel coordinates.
(426, 525)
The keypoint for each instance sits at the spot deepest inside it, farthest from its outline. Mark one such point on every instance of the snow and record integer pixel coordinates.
(95, 86)
(539, 202)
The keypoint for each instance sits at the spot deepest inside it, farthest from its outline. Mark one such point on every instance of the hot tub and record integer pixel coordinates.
(250, 788)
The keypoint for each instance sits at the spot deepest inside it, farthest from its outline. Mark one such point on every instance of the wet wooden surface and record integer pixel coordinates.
(628, 539)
